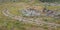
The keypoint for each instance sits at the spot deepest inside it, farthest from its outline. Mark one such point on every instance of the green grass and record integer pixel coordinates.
(7, 23)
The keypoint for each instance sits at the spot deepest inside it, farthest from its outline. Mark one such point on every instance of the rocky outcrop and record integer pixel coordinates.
(36, 13)
(30, 12)
(51, 13)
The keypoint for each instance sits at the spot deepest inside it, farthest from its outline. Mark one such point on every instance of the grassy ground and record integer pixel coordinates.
(7, 23)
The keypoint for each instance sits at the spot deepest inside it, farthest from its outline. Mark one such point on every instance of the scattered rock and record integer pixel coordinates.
(30, 12)
(36, 13)
(49, 13)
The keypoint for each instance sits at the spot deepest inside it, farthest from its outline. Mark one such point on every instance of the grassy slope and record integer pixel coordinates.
(7, 23)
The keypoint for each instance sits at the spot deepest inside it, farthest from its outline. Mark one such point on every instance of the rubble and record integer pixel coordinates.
(36, 13)
(51, 13)
(30, 12)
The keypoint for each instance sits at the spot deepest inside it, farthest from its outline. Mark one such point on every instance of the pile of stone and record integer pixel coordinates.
(30, 12)
(36, 13)
(51, 13)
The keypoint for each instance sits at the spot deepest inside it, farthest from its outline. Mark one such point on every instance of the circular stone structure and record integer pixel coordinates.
(30, 12)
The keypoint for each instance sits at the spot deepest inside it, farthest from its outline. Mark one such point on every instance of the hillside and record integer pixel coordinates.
(12, 18)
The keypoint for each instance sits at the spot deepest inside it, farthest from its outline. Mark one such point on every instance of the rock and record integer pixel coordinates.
(30, 12)
(48, 12)
(52, 13)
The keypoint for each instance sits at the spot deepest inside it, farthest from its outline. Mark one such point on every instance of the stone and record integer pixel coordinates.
(49, 12)
(30, 12)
